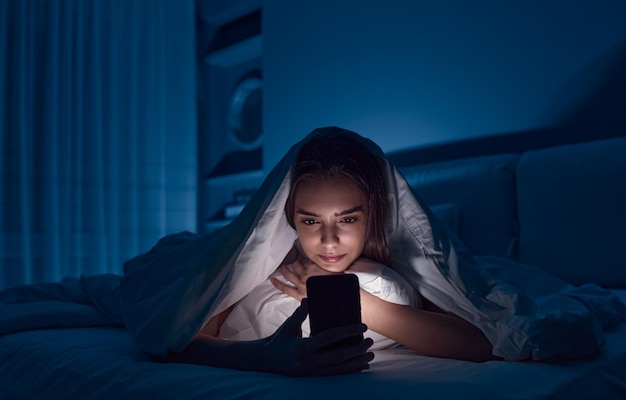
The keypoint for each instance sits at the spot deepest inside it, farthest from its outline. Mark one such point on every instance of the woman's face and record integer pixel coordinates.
(330, 217)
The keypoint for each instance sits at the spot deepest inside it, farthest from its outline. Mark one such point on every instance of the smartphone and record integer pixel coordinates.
(333, 301)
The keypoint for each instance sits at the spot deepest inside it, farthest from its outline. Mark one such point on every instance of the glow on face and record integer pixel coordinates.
(331, 221)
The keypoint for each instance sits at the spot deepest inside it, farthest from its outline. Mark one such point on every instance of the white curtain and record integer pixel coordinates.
(97, 133)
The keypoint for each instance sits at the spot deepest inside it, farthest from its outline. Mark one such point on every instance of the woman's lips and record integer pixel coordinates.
(332, 259)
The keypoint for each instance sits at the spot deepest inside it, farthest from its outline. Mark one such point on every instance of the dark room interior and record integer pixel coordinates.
(130, 127)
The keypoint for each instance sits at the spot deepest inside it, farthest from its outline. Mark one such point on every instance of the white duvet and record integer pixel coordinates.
(169, 293)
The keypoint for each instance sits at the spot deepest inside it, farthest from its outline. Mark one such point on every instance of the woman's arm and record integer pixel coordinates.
(430, 333)
(285, 352)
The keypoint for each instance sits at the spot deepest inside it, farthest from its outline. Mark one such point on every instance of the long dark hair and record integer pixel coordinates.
(332, 153)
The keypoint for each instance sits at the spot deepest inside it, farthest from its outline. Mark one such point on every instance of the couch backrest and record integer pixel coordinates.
(475, 197)
(572, 211)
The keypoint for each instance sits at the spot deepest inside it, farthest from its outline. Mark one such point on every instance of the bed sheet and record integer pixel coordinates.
(102, 362)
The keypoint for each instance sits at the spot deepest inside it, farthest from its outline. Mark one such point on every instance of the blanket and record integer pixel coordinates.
(167, 294)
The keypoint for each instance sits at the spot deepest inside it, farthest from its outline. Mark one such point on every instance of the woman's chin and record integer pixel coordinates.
(334, 269)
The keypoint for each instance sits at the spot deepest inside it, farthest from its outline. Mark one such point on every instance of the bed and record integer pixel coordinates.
(101, 362)
(62, 341)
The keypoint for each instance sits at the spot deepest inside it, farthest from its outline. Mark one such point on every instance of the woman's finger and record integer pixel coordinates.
(356, 364)
(294, 278)
(340, 359)
(334, 335)
(294, 322)
(287, 289)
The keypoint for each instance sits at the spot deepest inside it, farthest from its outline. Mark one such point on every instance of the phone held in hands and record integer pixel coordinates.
(334, 301)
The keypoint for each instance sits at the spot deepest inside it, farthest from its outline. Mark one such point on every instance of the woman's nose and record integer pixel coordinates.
(329, 236)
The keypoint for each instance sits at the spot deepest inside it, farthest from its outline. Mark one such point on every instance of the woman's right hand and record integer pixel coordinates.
(287, 352)
(297, 274)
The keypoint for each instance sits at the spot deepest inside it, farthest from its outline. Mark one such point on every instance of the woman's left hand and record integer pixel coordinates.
(297, 275)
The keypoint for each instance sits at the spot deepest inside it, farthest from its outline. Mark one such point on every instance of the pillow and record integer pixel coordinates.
(571, 211)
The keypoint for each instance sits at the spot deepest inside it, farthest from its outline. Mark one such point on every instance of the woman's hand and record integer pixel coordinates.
(286, 352)
(297, 275)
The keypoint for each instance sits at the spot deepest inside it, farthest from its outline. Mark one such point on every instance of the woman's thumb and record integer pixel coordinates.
(294, 322)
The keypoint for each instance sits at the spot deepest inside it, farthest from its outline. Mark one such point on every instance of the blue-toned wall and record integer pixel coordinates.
(410, 73)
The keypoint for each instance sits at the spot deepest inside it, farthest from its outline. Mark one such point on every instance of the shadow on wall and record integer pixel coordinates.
(601, 88)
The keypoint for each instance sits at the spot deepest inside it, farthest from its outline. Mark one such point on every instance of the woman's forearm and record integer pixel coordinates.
(208, 350)
(428, 333)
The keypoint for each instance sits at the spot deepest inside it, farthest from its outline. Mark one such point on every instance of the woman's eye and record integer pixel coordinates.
(308, 221)
(349, 220)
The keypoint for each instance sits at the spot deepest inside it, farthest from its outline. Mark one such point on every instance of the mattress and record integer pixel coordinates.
(102, 362)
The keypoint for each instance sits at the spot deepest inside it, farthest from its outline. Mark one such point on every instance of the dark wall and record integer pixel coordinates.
(416, 73)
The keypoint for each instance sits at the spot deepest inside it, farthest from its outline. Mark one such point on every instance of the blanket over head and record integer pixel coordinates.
(170, 292)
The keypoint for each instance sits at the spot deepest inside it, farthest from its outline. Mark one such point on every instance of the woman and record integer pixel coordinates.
(332, 175)
(337, 204)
